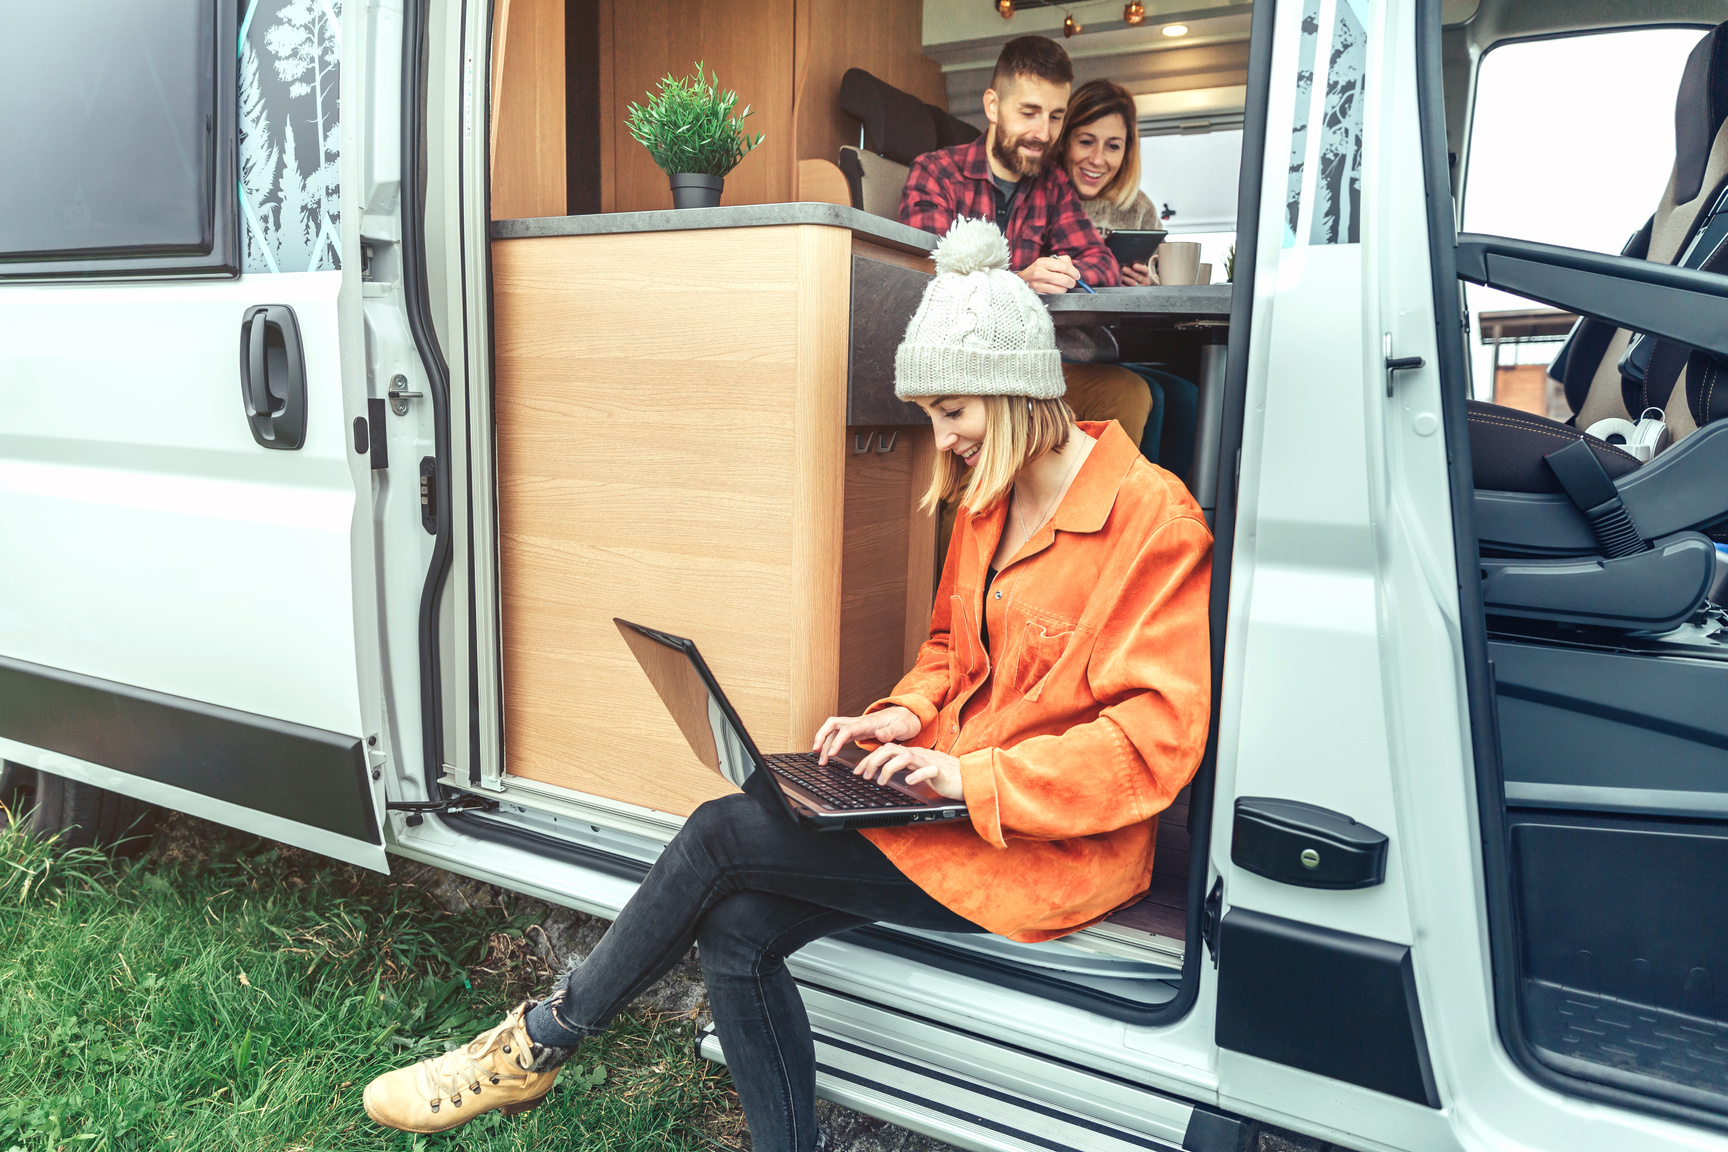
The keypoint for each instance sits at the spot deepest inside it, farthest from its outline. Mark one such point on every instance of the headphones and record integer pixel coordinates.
(1643, 440)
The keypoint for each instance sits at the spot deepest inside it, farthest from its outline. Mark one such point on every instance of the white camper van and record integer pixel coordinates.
(351, 383)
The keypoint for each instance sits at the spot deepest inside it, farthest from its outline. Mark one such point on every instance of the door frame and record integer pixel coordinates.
(462, 721)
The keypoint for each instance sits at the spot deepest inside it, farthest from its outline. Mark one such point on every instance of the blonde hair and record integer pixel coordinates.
(1092, 102)
(1017, 430)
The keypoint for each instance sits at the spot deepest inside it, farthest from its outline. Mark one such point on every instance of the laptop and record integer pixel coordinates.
(824, 797)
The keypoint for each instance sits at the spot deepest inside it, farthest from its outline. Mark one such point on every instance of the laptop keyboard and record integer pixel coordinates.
(834, 783)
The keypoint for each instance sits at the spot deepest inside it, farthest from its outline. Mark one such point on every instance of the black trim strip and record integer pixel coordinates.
(293, 771)
(961, 1114)
(944, 1109)
(1332, 1003)
(1020, 1102)
(994, 1042)
(417, 297)
(569, 851)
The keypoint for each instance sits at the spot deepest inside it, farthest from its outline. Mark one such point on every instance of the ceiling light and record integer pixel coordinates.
(1175, 29)
(1006, 7)
(1134, 13)
(1070, 26)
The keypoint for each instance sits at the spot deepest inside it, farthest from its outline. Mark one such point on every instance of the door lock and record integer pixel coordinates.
(1395, 364)
(399, 395)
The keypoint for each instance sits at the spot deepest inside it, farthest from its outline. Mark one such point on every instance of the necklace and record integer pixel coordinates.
(1049, 507)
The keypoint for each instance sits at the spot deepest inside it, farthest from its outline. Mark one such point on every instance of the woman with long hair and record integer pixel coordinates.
(1063, 695)
(1100, 149)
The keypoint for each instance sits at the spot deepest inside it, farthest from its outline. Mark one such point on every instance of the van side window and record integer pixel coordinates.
(1192, 169)
(1571, 142)
(117, 153)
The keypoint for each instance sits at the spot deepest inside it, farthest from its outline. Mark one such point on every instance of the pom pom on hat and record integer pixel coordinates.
(971, 246)
(980, 330)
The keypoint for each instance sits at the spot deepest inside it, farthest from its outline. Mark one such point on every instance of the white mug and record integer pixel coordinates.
(1178, 262)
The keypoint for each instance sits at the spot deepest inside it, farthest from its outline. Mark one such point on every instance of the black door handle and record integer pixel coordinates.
(1305, 844)
(273, 376)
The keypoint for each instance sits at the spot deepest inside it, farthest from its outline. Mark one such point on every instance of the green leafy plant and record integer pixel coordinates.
(1230, 266)
(689, 126)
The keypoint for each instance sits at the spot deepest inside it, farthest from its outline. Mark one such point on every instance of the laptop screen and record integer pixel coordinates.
(673, 667)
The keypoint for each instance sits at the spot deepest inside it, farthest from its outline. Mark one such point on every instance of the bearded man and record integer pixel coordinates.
(1011, 176)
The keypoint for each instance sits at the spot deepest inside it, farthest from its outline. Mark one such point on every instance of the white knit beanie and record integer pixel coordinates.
(980, 330)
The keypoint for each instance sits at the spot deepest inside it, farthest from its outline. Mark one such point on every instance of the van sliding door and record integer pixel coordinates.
(185, 474)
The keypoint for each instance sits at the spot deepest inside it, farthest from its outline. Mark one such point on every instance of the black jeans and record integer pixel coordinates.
(751, 888)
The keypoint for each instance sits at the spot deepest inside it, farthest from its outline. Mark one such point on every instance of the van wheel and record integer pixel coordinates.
(83, 815)
(17, 791)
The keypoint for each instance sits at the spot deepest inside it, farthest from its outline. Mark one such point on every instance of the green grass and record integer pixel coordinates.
(243, 998)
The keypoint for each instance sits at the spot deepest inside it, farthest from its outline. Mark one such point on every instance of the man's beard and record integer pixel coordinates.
(1009, 155)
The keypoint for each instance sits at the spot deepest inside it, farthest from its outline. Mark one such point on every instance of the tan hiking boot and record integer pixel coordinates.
(495, 1070)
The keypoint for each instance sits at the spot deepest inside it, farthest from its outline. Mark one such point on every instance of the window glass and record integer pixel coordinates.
(1571, 142)
(1193, 175)
(109, 117)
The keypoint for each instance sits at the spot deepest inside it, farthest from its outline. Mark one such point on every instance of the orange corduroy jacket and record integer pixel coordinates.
(1087, 713)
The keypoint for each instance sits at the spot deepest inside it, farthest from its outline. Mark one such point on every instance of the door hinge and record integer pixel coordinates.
(1210, 918)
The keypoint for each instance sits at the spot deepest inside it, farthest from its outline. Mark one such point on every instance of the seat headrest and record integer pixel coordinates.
(1699, 111)
(898, 124)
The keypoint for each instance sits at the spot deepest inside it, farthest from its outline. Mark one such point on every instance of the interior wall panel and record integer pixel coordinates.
(528, 133)
(749, 45)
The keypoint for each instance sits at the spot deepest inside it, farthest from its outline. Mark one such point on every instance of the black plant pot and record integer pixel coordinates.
(696, 190)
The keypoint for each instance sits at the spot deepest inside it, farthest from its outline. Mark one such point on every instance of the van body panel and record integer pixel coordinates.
(159, 533)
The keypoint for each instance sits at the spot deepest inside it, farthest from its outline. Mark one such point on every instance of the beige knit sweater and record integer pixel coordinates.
(1107, 218)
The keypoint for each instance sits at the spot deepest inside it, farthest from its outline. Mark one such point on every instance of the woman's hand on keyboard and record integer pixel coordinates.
(892, 723)
(921, 765)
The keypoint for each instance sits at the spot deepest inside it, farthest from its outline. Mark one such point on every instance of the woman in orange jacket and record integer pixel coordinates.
(1062, 694)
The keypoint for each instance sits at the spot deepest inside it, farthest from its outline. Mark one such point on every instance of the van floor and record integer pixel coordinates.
(1163, 911)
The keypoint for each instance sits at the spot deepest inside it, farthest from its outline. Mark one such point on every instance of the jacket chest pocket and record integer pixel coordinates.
(1041, 646)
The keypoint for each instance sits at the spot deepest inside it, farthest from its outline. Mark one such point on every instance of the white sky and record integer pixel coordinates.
(1196, 175)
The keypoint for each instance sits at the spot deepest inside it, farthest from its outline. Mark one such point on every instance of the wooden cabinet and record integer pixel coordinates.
(673, 449)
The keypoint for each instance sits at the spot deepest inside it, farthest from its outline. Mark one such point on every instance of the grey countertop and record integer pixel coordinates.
(1114, 305)
(862, 224)
(1161, 305)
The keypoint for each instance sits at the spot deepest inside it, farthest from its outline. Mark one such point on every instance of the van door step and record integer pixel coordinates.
(948, 1106)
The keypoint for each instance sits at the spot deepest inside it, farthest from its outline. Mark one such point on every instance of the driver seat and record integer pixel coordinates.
(1551, 527)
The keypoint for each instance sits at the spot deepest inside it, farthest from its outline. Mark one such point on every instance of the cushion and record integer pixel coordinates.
(950, 129)
(876, 181)
(1700, 107)
(897, 123)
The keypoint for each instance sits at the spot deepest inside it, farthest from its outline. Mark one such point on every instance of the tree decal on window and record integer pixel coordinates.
(290, 135)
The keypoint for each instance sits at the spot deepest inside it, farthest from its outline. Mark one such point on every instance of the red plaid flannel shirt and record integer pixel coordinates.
(1046, 220)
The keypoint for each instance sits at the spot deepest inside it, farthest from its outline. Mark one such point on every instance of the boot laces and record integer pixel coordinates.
(468, 1069)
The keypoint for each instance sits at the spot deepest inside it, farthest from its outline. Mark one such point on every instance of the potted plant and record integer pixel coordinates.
(690, 130)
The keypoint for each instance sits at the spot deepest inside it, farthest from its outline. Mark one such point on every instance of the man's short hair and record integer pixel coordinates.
(1037, 56)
